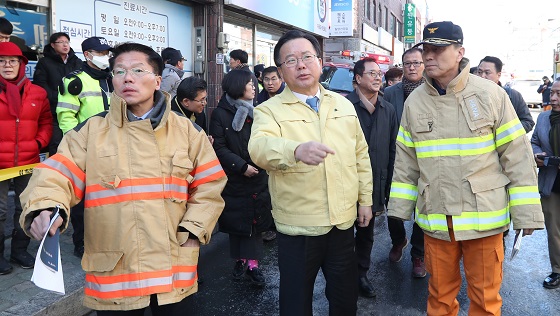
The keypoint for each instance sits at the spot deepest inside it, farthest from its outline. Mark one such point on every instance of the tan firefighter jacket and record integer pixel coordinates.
(145, 190)
(465, 155)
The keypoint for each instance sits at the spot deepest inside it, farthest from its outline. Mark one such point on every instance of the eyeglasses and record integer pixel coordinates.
(62, 42)
(11, 62)
(265, 80)
(135, 72)
(416, 64)
(205, 100)
(374, 74)
(292, 61)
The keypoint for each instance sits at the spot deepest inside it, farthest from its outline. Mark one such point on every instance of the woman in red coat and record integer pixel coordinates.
(25, 128)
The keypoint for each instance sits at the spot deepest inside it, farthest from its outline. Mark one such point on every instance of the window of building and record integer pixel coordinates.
(392, 25)
(374, 13)
(367, 8)
(379, 15)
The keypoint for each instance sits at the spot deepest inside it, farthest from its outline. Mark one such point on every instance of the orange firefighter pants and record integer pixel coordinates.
(482, 262)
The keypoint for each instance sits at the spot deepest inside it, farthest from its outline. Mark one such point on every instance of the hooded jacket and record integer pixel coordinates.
(22, 136)
(50, 70)
(464, 154)
(148, 185)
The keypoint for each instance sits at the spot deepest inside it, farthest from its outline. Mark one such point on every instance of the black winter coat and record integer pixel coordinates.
(247, 199)
(200, 118)
(380, 130)
(50, 70)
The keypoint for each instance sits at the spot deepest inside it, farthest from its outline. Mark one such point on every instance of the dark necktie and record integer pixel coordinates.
(313, 103)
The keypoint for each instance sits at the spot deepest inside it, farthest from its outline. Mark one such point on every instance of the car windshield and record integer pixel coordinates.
(340, 80)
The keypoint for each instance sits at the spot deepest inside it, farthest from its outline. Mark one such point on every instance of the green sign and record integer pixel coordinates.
(409, 23)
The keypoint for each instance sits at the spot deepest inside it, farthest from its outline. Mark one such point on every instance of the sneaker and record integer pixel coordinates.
(24, 259)
(256, 277)
(269, 235)
(418, 268)
(396, 253)
(552, 281)
(238, 270)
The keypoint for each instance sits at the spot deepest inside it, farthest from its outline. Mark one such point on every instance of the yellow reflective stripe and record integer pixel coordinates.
(509, 131)
(404, 191)
(455, 146)
(432, 222)
(481, 220)
(405, 138)
(526, 195)
(466, 221)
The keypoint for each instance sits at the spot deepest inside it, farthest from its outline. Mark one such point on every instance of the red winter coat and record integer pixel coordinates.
(19, 136)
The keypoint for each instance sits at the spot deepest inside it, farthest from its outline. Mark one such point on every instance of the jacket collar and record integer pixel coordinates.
(457, 84)
(355, 98)
(288, 97)
(118, 108)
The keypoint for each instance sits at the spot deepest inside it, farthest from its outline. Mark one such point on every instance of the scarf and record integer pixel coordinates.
(554, 133)
(409, 86)
(14, 90)
(157, 113)
(366, 104)
(243, 108)
(241, 65)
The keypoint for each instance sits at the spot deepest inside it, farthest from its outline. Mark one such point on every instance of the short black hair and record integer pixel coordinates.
(271, 69)
(240, 55)
(55, 36)
(495, 60)
(393, 73)
(473, 70)
(234, 83)
(412, 50)
(154, 59)
(190, 87)
(360, 66)
(6, 26)
(292, 35)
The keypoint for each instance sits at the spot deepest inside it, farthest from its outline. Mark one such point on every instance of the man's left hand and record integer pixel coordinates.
(191, 243)
(364, 215)
(526, 231)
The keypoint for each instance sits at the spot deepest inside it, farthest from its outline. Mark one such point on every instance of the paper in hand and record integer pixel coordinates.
(47, 273)
(516, 243)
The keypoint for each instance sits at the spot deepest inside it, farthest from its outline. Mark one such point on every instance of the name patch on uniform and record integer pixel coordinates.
(474, 109)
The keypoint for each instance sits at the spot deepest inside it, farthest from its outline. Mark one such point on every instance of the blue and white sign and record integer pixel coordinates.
(29, 26)
(158, 24)
(310, 15)
(342, 18)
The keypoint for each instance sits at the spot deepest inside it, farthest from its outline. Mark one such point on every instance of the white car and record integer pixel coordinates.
(528, 89)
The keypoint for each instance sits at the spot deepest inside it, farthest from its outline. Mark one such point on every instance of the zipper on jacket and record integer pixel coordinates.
(17, 143)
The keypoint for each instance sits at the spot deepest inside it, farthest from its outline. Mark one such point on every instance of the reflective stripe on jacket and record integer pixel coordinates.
(146, 190)
(72, 110)
(465, 155)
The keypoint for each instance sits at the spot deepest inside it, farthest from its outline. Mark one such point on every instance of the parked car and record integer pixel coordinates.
(337, 78)
(528, 89)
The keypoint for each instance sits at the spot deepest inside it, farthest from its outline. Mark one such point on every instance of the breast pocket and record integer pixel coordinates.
(477, 115)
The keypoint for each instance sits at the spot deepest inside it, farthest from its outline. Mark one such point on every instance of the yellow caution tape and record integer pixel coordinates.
(14, 172)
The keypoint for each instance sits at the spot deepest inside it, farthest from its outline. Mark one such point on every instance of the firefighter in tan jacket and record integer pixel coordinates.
(151, 184)
(464, 166)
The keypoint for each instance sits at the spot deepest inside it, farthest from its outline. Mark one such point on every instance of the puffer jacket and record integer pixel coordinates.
(21, 136)
(247, 198)
(332, 188)
(465, 155)
(146, 191)
(51, 69)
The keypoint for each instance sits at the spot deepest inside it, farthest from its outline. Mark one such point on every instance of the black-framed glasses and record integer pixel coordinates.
(292, 61)
(135, 72)
(416, 64)
(205, 100)
(374, 74)
(11, 62)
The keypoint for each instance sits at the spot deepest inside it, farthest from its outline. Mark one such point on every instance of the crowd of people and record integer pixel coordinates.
(144, 176)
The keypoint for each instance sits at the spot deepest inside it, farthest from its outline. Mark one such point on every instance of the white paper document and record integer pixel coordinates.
(516, 243)
(47, 273)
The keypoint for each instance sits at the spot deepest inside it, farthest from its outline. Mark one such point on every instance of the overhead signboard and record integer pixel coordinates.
(342, 18)
(309, 15)
(409, 23)
(158, 24)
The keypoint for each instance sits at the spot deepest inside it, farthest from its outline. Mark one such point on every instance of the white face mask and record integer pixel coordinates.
(102, 62)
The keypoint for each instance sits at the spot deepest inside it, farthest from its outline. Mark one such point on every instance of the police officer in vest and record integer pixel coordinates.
(82, 94)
